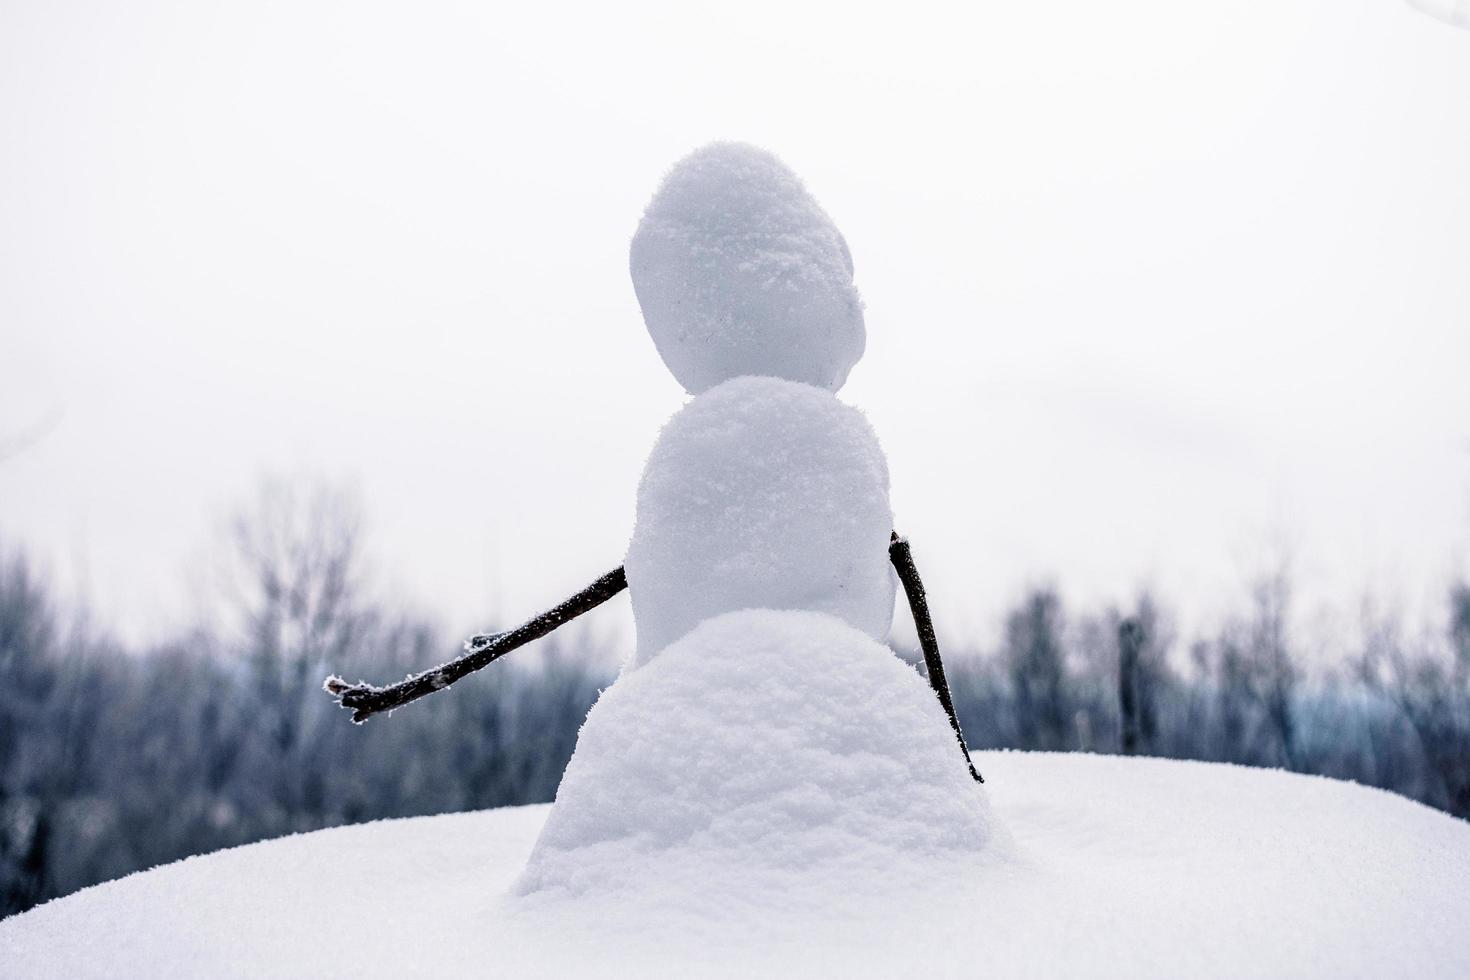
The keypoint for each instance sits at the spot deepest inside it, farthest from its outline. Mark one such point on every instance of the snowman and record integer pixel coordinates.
(761, 722)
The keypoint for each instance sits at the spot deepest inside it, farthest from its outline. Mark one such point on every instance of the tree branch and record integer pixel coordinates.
(367, 700)
(913, 587)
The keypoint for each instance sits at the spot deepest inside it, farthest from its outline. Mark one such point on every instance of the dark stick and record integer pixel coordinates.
(367, 700)
(913, 587)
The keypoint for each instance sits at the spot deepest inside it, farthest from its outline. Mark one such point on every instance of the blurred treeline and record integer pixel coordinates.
(113, 759)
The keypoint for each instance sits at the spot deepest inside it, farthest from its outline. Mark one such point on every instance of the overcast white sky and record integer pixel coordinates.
(1153, 287)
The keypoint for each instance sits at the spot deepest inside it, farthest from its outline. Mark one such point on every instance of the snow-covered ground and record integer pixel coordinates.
(1116, 867)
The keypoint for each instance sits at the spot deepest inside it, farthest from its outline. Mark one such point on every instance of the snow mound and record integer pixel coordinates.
(761, 494)
(739, 271)
(1136, 867)
(763, 748)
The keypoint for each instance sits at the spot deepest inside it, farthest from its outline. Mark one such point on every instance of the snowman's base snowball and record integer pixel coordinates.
(764, 745)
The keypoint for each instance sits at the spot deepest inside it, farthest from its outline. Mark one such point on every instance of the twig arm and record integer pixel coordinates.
(366, 700)
(913, 588)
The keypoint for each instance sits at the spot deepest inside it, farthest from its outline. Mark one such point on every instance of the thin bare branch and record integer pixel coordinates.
(366, 700)
(913, 588)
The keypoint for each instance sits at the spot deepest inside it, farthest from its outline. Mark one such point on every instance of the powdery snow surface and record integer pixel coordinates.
(761, 493)
(1134, 867)
(766, 755)
(739, 271)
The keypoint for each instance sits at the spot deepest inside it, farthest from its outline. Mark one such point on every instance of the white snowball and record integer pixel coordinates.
(739, 271)
(761, 494)
(763, 746)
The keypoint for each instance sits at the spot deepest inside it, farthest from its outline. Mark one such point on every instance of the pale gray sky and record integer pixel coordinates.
(1152, 286)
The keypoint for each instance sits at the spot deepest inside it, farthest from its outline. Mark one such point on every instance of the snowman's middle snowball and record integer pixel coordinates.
(761, 494)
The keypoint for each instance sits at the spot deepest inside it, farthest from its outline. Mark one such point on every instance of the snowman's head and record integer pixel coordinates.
(740, 272)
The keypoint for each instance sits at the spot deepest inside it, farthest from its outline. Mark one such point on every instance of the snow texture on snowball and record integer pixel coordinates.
(761, 494)
(739, 271)
(763, 746)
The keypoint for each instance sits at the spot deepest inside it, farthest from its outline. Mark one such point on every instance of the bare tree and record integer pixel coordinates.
(1035, 661)
(27, 640)
(1460, 625)
(1273, 673)
(294, 582)
(1143, 639)
(1431, 690)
